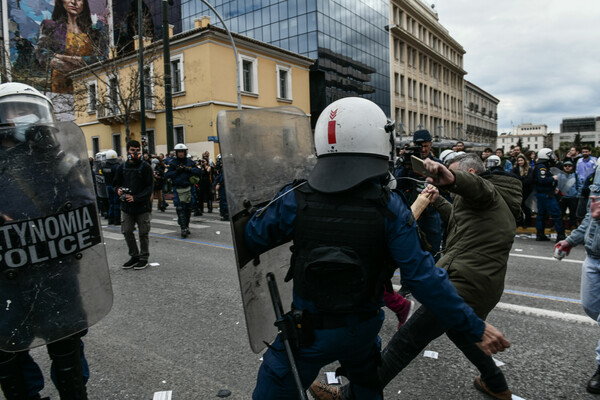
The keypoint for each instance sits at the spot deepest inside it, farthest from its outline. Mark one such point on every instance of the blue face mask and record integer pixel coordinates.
(22, 123)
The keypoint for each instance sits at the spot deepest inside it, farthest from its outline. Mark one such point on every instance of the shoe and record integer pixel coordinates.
(184, 232)
(542, 238)
(560, 236)
(141, 264)
(481, 386)
(224, 218)
(406, 313)
(321, 391)
(197, 213)
(593, 385)
(129, 264)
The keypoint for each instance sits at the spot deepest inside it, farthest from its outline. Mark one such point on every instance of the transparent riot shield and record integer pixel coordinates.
(262, 150)
(565, 181)
(54, 278)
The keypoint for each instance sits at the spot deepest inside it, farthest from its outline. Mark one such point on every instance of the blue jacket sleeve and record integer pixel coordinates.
(273, 226)
(428, 283)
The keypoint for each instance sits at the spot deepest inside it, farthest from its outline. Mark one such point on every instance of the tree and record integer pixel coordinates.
(116, 95)
(577, 140)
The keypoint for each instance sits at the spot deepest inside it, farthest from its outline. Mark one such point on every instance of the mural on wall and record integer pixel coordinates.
(51, 38)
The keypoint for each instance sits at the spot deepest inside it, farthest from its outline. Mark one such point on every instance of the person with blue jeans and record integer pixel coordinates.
(588, 233)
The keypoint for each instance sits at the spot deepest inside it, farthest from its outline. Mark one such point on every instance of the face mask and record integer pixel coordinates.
(22, 124)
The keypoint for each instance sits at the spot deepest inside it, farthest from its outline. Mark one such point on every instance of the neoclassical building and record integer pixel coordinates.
(481, 115)
(426, 72)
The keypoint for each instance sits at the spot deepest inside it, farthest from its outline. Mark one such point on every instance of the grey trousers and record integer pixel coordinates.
(127, 227)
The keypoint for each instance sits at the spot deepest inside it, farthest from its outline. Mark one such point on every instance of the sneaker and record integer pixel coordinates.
(593, 385)
(321, 391)
(141, 264)
(129, 264)
(482, 387)
(404, 291)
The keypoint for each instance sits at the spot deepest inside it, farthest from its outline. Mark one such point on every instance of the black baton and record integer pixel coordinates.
(274, 291)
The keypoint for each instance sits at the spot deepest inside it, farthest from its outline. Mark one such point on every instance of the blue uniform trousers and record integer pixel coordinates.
(356, 346)
(430, 223)
(547, 204)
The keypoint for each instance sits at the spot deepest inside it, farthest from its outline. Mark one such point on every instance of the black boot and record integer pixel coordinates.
(560, 236)
(593, 385)
(66, 360)
(188, 216)
(12, 380)
(541, 237)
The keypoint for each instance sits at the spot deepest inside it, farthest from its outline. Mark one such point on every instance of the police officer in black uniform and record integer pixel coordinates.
(545, 183)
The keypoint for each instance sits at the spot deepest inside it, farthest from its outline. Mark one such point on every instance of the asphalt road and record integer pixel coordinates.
(178, 326)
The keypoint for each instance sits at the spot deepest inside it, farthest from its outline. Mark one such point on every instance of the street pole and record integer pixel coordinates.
(141, 72)
(168, 83)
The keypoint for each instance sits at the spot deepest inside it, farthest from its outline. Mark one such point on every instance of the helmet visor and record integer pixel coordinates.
(22, 110)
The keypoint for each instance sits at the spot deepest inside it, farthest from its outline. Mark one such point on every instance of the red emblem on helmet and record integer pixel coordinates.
(331, 127)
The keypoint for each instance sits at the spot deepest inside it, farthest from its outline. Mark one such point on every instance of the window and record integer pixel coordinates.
(179, 134)
(177, 74)
(249, 73)
(92, 100)
(396, 46)
(284, 82)
(397, 83)
(116, 138)
(151, 141)
(95, 145)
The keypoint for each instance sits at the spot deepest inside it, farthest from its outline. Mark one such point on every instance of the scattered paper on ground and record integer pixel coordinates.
(518, 249)
(498, 362)
(218, 232)
(332, 379)
(154, 264)
(431, 354)
(515, 397)
(166, 395)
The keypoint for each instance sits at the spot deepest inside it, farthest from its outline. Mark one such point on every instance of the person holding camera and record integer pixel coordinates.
(182, 171)
(429, 222)
(134, 181)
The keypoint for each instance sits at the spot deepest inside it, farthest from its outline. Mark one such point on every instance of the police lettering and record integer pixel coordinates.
(48, 238)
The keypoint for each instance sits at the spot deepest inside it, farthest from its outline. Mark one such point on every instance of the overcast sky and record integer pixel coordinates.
(540, 58)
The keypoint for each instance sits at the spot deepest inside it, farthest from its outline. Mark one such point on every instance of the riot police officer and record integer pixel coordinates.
(181, 169)
(109, 171)
(545, 184)
(349, 234)
(45, 178)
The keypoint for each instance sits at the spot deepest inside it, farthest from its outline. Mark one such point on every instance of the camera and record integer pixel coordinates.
(125, 191)
(409, 151)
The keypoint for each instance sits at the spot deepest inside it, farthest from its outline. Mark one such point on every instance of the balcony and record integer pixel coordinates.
(114, 115)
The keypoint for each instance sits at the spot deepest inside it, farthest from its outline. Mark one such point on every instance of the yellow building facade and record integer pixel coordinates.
(203, 83)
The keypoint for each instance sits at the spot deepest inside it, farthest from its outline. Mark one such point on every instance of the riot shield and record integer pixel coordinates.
(262, 151)
(565, 181)
(54, 278)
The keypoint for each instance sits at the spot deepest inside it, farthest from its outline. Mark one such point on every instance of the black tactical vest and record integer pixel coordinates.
(340, 258)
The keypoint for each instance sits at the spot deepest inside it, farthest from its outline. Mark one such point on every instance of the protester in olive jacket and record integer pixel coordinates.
(480, 225)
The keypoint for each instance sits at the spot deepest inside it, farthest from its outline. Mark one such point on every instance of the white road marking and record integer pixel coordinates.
(112, 235)
(160, 231)
(540, 312)
(547, 258)
(174, 223)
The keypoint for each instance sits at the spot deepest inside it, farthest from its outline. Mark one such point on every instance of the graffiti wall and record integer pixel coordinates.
(51, 38)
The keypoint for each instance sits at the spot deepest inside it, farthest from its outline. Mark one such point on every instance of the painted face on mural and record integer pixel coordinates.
(73, 7)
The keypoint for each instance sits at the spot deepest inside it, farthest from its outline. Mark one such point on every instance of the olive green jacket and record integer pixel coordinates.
(480, 230)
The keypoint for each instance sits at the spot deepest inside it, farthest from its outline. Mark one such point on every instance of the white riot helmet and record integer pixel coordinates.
(492, 162)
(354, 142)
(21, 106)
(111, 155)
(546, 154)
(179, 147)
(445, 154)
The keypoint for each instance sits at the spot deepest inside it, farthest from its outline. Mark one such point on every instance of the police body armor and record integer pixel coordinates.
(99, 167)
(340, 260)
(54, 279)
